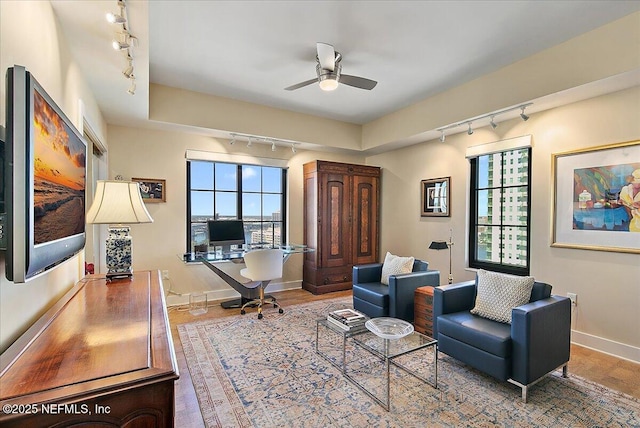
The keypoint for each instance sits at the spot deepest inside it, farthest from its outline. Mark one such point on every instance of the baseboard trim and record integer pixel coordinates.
(600, 344)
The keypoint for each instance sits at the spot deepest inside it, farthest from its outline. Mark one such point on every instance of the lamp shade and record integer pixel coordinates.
(118, 202)
(438, 245)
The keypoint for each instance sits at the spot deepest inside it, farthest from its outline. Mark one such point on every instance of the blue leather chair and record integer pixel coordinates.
(536, 342)
(375, 299)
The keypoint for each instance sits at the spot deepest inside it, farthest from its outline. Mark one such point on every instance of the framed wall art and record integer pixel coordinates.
(435, 197)
(596, 198)
(152, 189)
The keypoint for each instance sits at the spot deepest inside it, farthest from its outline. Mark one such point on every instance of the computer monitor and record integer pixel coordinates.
(224, 233)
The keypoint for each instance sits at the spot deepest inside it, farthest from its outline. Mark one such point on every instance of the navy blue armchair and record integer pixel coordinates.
(375, 299)
(536, 342)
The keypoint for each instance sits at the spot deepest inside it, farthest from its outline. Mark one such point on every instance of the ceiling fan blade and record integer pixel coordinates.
(358, 82)
(301, 85)
(326, 56)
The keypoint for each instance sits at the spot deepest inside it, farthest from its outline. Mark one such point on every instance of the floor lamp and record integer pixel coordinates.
(443, 245)
(118, 203)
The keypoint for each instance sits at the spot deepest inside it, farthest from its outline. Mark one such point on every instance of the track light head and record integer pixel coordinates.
(470, 131)
(233, 141)
(293, 147)
(273, 146)
(522, 115)
(132, 87)
(120, 46)
(442, 137)
(249, 143)
(114, 18)
(492, 123)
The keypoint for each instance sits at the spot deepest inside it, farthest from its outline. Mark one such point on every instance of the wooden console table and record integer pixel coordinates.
(423, 310)
(102, 355)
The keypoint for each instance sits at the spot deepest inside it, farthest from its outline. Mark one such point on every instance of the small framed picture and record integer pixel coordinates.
(435, 197)
(152, 189)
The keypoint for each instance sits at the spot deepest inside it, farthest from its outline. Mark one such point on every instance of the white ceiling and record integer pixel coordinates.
(252, 50)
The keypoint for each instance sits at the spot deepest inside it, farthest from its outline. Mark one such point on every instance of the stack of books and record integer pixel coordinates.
(346, 319)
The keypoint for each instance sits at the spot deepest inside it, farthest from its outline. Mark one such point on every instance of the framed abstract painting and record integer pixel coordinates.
(596, 198)
(435, 197)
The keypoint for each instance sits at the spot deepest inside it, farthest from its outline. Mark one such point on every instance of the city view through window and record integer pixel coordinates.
(501, 186)
(225, 191)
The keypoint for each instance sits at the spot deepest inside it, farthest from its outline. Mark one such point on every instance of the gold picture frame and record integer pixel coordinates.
(593, 201)
(435, 197)
(153, 190)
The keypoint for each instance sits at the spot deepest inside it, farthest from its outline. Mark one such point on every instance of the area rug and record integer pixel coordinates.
(266, 373)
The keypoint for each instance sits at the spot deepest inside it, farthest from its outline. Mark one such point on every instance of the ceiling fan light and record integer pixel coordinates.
(328, 84)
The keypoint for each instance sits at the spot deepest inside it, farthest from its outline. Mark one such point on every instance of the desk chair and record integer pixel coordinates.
(262, 266)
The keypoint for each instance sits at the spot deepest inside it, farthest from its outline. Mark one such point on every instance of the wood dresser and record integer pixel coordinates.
(423, 310)
(101, 356)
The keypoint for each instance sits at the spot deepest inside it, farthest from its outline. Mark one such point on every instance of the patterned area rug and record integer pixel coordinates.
(266, 373)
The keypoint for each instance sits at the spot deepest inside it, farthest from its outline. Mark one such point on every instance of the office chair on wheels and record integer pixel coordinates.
(262, 266)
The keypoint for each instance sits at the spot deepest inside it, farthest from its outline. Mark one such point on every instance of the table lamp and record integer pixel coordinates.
(118, 203)
(443, 245)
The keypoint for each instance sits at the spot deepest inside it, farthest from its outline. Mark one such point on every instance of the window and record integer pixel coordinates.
(495, 191)
(219, 190)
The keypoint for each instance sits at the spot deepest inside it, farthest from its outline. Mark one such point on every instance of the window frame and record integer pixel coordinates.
(239, 197)
(473, 216)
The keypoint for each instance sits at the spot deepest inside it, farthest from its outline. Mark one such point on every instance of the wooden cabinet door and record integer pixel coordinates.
(334, 220)
(365, 219)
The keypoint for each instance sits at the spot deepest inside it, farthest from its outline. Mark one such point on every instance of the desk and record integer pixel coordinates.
(227, 265)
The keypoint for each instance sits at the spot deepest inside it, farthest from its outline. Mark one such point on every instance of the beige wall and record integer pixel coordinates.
(30, 36)
(144, 153)
(607, 284)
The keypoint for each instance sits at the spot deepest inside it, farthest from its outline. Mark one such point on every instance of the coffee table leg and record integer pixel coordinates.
(386, 362)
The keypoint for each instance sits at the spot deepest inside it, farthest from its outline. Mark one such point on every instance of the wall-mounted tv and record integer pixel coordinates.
(44, 180)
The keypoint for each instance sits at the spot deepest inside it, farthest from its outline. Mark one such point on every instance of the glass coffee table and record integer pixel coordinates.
(389, 339)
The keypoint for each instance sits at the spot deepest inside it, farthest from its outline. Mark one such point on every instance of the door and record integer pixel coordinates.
(334, 220)
(365, 219)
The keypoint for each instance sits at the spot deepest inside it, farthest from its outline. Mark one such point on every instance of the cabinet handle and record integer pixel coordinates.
(344, 278)
(326, 281)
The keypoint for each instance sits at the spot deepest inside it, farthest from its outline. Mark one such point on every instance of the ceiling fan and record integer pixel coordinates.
(329, 70)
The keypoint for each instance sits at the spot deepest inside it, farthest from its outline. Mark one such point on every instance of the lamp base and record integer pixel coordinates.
(119, 248)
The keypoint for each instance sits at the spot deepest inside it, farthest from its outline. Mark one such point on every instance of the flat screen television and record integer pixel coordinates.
(44, 180)
(224, 233)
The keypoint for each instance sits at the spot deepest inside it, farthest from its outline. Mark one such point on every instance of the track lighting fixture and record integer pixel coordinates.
(124, 41)
(251, 139)
(491, 116)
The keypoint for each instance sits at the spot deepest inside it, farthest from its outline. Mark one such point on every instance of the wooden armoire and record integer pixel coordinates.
(341, 215)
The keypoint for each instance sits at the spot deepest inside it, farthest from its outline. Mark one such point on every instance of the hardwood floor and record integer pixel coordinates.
(615, 373)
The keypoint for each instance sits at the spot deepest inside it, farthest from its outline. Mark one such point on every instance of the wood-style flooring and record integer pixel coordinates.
(615, 373)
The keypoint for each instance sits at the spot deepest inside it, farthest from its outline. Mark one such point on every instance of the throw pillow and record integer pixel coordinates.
(498, 293)
(394, 265)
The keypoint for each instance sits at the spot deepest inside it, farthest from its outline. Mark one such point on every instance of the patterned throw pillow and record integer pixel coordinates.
(394, 265)
(498, 293)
